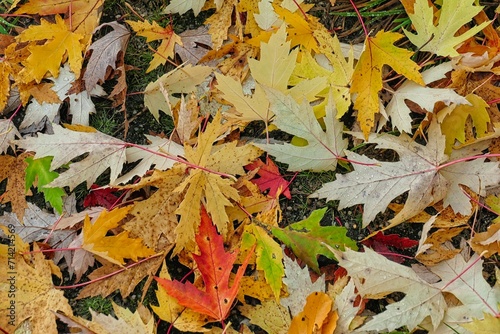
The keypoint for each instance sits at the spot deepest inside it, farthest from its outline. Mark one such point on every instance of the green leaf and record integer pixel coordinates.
(39, 169)
(306, 238)
(269, 256)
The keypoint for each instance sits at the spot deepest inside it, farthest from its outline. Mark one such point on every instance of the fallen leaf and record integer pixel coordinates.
(65, 145)
(37, 299)
(307, 238)
(426, 97)
(270, 316)
(489, 325)
(154, 32)
(269, 256)
(195, 44)
(375, 277)
(418, 171)
(8, 132)
(323, 148)
(84, 15)
(316, 316)
(60, 41)
(487, 241)
(276, 62)
(215, 266)
(180, 80)
(168, 309)
(270, 178)
(39, 170)
(105, 52)
(299, 286)
(367, 76)
(182, 6)
(13, 169)
(441, 39)
(113, 248)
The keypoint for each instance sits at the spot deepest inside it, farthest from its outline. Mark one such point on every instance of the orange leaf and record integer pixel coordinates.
(215, 266)
(316, 316)
(367, 77)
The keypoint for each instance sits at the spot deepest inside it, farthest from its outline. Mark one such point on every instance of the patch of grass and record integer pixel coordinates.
(97, 304)
(104, 121)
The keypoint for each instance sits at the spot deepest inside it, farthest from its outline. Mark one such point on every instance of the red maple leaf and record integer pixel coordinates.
(380, 242)
(101, 197)
(215, 265)
(270, 178)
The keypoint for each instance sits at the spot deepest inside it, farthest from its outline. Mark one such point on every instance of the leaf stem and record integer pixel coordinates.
(64, 287)
(359, 17)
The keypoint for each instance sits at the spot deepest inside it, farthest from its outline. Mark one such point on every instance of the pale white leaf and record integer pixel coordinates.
(64, 145)
(299, 286)
(180, 80)
(266, 16)
(163, 146)
(344, 305)
(323, 147)
(8, 132)
(419, 171)
(424, 96)
(375, 277)
(182, 6)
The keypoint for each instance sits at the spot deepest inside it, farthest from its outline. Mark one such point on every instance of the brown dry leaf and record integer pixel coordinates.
(36, 298)
(155, 217)
(220, 22)
(487, 241)
(15, 193)
(195, 44)
(124, 280)
(316, 316)
(105, 53)
(436, 247)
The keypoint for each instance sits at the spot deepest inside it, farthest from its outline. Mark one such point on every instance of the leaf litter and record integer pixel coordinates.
(269, 62)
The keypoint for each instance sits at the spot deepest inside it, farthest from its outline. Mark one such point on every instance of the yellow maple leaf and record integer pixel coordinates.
(5, 71)
(113, 248)
(454, 118)
(367, 77)
(203, 186)
(276, 62)
(61, 43)
(14, 169)
(84, 15)
(489, 325)
(220, 22)
(154, 32)
(301, 29)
